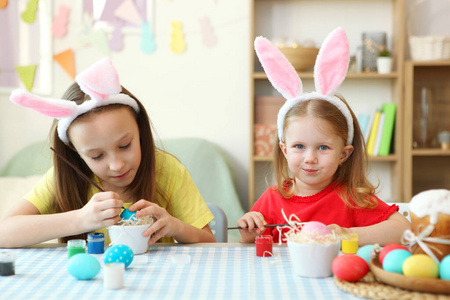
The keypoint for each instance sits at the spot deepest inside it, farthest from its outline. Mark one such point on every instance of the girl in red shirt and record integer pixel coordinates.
(320, 162)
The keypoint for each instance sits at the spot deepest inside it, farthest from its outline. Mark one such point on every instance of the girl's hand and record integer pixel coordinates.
(102, 210)
(252, 224)
(164, 224)
(338, 230)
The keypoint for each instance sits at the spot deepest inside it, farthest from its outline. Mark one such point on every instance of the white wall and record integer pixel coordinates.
(202, 92)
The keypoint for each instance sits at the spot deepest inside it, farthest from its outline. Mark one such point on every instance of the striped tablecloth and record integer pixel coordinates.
(213, 273)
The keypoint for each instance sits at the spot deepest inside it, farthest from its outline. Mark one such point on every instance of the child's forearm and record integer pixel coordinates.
(383, 233)
(27, 230)
(187, 234)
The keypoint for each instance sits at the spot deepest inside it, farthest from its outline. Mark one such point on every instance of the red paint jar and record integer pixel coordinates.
(264, 245)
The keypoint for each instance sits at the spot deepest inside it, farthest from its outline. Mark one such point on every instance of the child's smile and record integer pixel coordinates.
(313, 152)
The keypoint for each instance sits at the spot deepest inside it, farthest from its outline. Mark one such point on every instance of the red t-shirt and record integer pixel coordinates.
(326, 207)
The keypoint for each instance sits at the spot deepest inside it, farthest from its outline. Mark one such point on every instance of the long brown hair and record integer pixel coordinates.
(71, 190)
(350, 177)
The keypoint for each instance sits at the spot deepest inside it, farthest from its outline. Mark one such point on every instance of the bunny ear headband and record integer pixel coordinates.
(100, 81)
(329, 72)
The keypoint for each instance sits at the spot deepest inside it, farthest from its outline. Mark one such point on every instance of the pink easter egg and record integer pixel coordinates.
(315, 228)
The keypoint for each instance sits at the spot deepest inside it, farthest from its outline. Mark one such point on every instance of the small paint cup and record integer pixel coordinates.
(75, 247)
(113, 276)
(7, 263)
(349, 243)
(96, 243)
(264, 245)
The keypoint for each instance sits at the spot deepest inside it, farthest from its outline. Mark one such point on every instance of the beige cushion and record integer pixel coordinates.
(13, 189)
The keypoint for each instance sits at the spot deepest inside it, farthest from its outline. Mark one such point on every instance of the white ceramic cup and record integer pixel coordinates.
(130, 236)
(312, 260)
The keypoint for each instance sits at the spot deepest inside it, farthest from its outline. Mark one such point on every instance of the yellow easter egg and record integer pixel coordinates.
(420, 265)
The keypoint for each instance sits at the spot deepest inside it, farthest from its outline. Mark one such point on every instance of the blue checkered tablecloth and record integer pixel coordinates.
(213, 273)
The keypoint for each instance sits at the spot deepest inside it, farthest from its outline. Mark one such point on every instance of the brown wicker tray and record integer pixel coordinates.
(427, 285)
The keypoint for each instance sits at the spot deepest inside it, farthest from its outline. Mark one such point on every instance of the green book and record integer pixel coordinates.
(389, 110)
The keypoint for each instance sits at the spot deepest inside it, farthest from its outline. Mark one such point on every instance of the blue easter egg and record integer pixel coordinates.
(83, 266)
(444, 269)
(365, 252)
(393, 261)
(118, 254)
(127, 215)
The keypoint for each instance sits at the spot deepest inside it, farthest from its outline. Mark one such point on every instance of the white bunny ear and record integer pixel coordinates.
(332, 63)
(279, 70)
(55, 108)
(99, 80)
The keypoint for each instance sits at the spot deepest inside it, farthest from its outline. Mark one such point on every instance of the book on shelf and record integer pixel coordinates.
(378, 129)
(373, 133)
(376, 148)
(389, 110)
(363, 121)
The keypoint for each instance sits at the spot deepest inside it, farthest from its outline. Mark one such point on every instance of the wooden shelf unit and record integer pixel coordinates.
(396, 80)
(426, 167)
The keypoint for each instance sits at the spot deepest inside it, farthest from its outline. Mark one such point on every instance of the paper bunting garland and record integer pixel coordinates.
(60, 21)
(3, 4)
(177, 44)
(26, 74)
(29, 15)
(209, 38)
(66, 61)
(127, 11)
(148, 44)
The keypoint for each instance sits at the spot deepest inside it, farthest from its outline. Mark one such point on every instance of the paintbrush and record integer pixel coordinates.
(84, 176)
(268, 225)
(78, 171)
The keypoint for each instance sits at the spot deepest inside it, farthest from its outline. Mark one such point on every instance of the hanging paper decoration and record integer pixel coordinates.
(66, 61)
(148, 44)
(3, 4)
(97, 9)
(98, 39)
(177, 44)
(29, 15)
(59, 26)
(128, 11)
(26, 74)
(208, 36)
(116, 41)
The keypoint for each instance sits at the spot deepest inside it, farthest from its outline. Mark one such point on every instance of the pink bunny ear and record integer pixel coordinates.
(50, 107)
(332, 63)
(99, 80)
(279, 70)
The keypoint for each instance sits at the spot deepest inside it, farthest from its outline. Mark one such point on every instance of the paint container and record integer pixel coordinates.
(7, 263)
(264, 245)
(96, 243)
(349, 243)
(113, 274)
(75, 247)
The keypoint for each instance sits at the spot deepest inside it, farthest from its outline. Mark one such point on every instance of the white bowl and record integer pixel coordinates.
(312, 260)
(130, 236)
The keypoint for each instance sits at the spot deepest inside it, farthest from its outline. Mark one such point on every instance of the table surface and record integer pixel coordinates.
(216, 271)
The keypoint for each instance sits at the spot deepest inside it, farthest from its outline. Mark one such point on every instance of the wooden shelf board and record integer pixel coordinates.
(430, 152)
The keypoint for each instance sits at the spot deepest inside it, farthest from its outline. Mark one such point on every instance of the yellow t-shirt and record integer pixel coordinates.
(185, 200)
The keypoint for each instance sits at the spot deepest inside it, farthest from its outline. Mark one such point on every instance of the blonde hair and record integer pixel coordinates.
(71, 189)
(351, 181)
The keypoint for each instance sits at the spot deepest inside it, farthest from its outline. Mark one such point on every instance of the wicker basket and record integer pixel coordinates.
(301, 58)
(430, 47)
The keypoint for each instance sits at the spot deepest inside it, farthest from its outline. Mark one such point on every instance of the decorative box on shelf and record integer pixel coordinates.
(265, 136)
